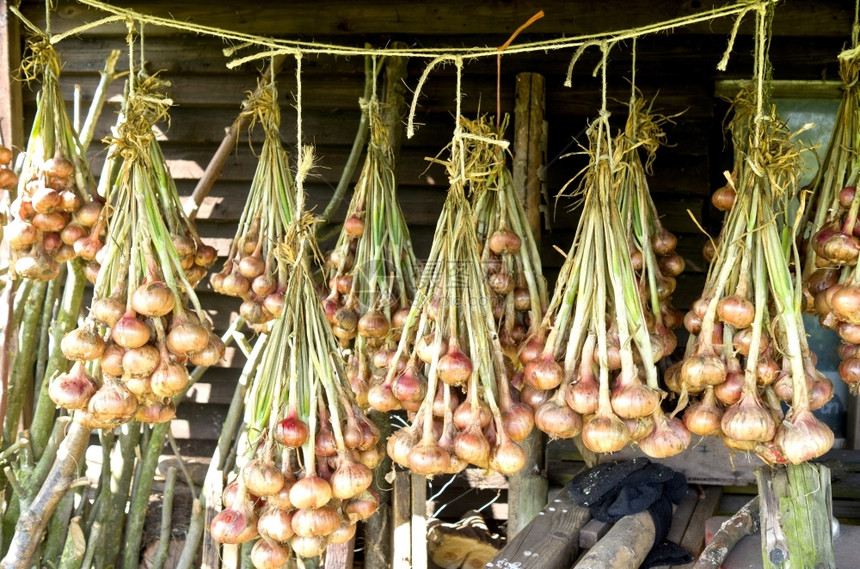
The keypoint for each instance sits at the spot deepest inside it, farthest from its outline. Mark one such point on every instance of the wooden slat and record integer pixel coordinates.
(681, 517)
(342, 17)
(593, 531)
(694, 538)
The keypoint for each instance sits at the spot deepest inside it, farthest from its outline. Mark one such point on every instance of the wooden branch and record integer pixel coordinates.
(216, 164)
(743, 523)
(625, 545)
(354, 154)
(32, 522)
(107, 76)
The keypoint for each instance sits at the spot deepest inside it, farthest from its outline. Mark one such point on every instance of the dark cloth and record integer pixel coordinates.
(615, 489)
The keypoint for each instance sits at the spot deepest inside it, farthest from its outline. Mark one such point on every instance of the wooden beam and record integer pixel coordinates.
(419, 522)
(550, 541)
(340, 556)
(401, 518)
(11, 110)
(342, 18)
(528, 488)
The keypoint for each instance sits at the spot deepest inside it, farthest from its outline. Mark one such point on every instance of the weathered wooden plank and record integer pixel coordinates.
(694, 538)
(706, 461)
(593, 531)
(795, 506)
(550, 541)
(11, 111)
(342, 17)
(681, 517)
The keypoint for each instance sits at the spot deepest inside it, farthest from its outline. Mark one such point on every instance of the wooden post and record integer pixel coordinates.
(401, 517)
(377, 548)
(419, 522)
(11, 107)
(340, 556)
(796, 512)
(527, 490)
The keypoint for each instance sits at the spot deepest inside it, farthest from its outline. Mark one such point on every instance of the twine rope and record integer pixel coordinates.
(280, 46)
(300, 188)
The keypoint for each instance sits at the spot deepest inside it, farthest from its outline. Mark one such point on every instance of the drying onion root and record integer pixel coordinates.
(460, 412)
(251, 270)
(145, 323)
(54, 209)
(747, 350)
(371, 272)
(831, 275)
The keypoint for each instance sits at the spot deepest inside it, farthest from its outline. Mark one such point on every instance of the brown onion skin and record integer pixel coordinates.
(543, 373)
(350, 479)
(605, 433)
(748, 420)
(72, 390)
(82, 344)
(310, 492)
(558, 420)
(669, 437)
(428, 459)
(269, 555)
(801, 437)
(703, 370)
(233, 526)
(316, 522)
(507, 457)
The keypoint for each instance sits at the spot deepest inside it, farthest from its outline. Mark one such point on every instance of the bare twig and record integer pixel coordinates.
(743, 523)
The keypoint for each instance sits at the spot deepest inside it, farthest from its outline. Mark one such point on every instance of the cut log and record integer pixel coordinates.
(624, 546)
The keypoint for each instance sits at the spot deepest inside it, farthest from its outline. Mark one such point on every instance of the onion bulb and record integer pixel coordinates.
(605, 433)
(310, 492)
(262, 478)
(316, 522)
(267, 554)
(72, 390)
(234, 526)
(669, 437)
(82, 344)
(802, 437)
(153, 298)
(703, 418)
(748, 420)
(350, 479)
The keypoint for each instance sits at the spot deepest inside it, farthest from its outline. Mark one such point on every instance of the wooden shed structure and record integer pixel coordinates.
(678, 69)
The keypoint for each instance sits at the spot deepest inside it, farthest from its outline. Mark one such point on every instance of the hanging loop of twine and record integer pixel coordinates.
(410, 123)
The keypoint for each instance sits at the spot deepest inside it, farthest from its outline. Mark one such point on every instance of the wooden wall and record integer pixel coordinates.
(678, 69)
